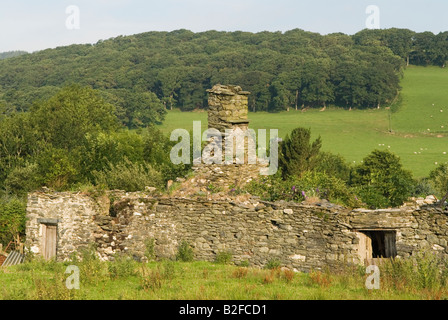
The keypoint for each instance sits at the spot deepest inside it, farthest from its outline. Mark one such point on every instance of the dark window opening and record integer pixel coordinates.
(383, 243)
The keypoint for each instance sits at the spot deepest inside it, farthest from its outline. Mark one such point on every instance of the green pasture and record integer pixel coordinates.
(199, 280)
(417, 132)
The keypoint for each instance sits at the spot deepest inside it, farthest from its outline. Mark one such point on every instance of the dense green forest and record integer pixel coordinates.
(66, 114)
(144, 74)
(11, 54)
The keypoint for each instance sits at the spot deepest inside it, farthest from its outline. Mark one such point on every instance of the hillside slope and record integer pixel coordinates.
(424, 107)
(282, 70)
(354, 134)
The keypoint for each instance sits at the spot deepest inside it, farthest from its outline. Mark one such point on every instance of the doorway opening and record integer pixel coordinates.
(376, 245)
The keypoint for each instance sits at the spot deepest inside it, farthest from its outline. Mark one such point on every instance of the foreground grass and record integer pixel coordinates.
(354, 134)
(129, 280)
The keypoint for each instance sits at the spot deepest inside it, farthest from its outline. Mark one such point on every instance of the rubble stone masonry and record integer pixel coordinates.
(300, 236)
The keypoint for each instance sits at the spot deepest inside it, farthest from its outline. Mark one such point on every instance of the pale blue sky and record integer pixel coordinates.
(36, 25)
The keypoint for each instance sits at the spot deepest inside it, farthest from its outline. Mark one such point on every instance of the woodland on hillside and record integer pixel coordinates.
(144, 74)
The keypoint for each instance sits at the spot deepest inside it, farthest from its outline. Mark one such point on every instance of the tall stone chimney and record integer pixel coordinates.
(228, 112)
(228, 108)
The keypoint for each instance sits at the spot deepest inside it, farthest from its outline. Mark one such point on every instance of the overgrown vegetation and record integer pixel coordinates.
(12, 219)
(73, 141)
(224, 257)
(185, 252)
(307, 174)
(439, 179)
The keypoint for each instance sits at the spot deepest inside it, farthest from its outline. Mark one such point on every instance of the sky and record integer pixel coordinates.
(36, 25)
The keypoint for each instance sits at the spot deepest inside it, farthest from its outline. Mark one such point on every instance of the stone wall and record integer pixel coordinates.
(73, 213)
(300, 236)
(418, 228)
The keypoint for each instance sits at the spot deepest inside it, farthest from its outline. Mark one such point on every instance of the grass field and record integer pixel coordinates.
(354, 134)
(130, 280)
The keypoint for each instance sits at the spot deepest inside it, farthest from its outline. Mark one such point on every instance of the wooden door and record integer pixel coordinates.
(50, 241)
(365, 248)
(390, 244)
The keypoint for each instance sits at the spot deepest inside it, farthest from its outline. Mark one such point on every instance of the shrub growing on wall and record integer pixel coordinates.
(311, 184)
(129, 176)
(324, 186)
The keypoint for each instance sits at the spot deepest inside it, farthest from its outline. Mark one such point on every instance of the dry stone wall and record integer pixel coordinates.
(300, 236)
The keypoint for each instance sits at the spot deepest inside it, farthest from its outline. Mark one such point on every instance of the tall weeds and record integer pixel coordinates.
(424, 271)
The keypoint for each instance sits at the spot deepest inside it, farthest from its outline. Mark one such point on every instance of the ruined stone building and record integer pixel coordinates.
(301, 236)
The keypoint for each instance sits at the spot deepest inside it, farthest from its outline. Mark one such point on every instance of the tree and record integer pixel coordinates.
(287, 88)
(368, 37)
(65, 119)
(297, 153)
(280, 97)
(170, 83)
(400, 42)
(12, 219)
(257, 82)
(105, 149)
(439, 178)
(192, 93)
(423, 51)
(318, 89)
(155, 146)
(281, 70)
(11, 54)
(441, 49)
(333, 165)
(57, 168)
(382, 181)
(349, 82)
(144, 109)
